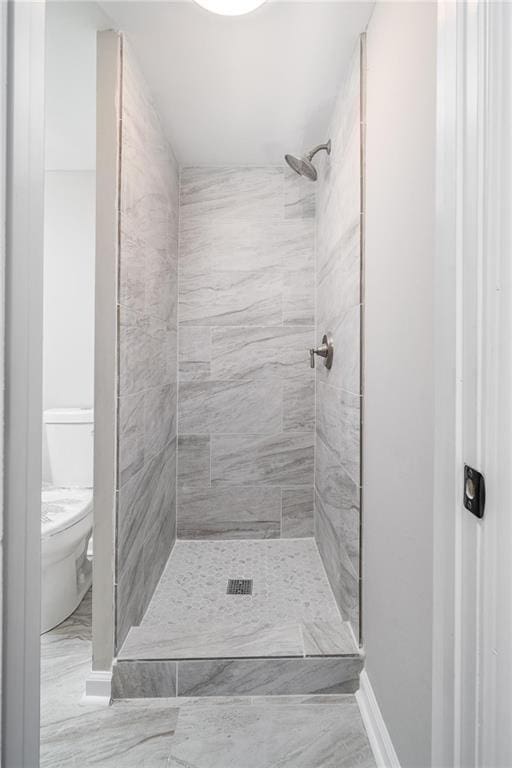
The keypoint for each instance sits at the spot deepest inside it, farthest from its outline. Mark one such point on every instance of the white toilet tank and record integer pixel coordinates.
(70, 440)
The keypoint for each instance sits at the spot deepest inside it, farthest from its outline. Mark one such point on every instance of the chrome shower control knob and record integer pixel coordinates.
(325, 350)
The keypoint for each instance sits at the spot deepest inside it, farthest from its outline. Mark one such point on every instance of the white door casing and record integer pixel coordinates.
(472, 695)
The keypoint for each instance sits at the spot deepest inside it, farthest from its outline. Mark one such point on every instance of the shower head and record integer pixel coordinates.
(303, 165)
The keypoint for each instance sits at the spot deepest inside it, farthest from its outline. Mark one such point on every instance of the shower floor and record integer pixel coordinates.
(291, 615)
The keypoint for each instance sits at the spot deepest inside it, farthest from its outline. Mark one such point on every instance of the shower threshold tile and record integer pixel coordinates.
(206, 641)
(286, 637)
(328, 638)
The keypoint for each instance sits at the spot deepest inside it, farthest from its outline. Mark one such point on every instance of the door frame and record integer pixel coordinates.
(24, 209)
(472, 656)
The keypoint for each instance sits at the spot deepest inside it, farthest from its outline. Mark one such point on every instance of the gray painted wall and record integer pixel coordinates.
(338, 299)
(148, 256)
(246, 319)
(398, 424)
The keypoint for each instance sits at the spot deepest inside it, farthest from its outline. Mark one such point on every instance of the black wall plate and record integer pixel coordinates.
(474, 491)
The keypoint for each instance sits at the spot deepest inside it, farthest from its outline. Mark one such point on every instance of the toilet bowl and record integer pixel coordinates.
(66, 514)
(66, 526)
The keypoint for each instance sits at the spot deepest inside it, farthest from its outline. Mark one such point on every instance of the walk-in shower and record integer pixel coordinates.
(303, 165)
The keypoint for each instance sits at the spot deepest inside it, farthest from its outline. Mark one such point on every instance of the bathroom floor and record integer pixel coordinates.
(290, 612)
(245, 732)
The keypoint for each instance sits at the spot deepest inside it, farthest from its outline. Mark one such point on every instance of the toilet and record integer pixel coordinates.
(66, 513)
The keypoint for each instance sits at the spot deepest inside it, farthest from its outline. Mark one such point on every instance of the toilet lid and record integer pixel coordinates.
(63, 507)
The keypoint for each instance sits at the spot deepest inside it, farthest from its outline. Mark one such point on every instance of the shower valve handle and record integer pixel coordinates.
(325, 350)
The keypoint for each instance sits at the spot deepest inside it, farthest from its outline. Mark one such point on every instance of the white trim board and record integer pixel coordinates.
(378, 735)
(24, 196)
(98, 686)
(472, 679)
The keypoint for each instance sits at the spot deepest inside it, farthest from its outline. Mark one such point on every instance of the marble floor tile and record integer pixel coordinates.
(319, 731)
(291, 736)
(289, 584)
(129, 734)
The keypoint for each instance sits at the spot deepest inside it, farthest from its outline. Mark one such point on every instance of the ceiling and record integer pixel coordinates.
(247, 89)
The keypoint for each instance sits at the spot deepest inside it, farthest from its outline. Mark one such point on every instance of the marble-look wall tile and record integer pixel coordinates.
(193, 461)
(194, 353)
(345, 372)
(147, 351)
(241, 512)
(131, 426)
(338, 407)
(297, 512)
(260, 352)
(246, 320)
(145, 504)
(338, 277)
(210, 245)
(159, 418)
(339, 296)
(237, 407)
(254, 193)
(252, 460)
(299, 197)
(232, 298)
(298, 308)
(129, 592)
(343, 578)
(299, 404)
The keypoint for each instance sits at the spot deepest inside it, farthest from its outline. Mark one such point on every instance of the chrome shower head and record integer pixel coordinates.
(303, 165)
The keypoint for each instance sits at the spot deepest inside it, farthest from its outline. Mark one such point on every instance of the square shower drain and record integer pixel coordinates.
(239, 587)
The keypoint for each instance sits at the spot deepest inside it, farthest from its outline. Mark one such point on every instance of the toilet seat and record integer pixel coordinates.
(61, 508)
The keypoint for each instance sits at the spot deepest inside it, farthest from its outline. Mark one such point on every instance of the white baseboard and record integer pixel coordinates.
(378, 735)
(98, 686)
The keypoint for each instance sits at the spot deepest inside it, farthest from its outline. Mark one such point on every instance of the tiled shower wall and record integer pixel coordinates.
(246, 416)
(147, 385)
(338, 398)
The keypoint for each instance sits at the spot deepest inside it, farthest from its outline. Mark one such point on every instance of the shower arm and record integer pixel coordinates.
(319, 148)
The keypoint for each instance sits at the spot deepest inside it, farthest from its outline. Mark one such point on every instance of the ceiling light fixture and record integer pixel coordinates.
(230, 7)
